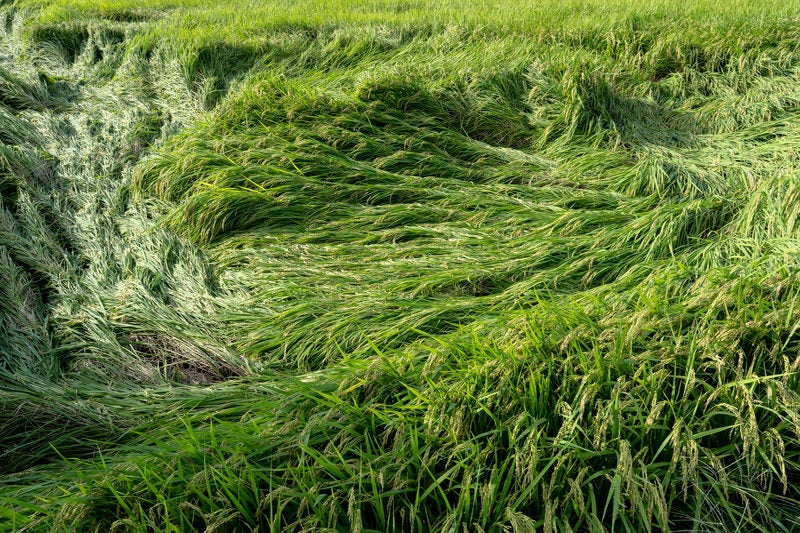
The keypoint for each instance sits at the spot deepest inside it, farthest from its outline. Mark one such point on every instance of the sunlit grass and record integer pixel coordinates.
(399, 266)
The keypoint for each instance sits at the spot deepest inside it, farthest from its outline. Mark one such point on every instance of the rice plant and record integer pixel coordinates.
(399, 266)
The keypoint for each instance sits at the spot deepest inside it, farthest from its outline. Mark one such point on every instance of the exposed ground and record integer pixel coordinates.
(398, 266)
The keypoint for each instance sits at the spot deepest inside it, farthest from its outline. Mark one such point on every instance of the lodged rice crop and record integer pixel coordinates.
(391, 266)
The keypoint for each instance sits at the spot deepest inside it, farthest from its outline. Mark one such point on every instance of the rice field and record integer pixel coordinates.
(399, 265)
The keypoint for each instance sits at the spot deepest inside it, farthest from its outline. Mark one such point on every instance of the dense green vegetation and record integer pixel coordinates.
(397, 266)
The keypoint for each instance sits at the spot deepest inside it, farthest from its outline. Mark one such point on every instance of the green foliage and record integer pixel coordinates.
(398, 266)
